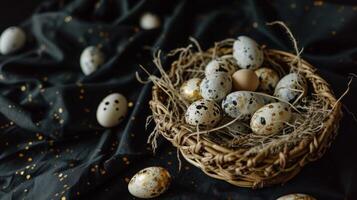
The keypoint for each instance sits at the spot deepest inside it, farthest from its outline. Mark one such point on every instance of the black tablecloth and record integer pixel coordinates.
(51, 146)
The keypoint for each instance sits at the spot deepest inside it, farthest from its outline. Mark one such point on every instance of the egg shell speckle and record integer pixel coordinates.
(290, 87)
(296, 197)
(268, 79)
(203, 113)
(270, 119)
(11, 40)
(112, 110)
(190, 89)
(242, 104)
(149, 182)
(225, 64)
(91, 59)
(247, 53)
(216, 86)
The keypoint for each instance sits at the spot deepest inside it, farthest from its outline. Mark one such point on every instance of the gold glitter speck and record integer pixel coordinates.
(68, 19)
(28, 176)
(23, 88)
(29, 159)
(130, 104)
(60, 110)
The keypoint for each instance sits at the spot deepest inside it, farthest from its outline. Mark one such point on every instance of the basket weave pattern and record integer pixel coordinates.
(235, 165)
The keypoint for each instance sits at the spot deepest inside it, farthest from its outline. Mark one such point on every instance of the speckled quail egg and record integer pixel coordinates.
(237, 126)
(203, 113)
(149, 21)
(91, 59)
(149, 182)
(270, 119)
(11, 40)
(268, 78)
(216, 86)
(190, 89)
(242, 104)
(112, 110)
(247, 53)
(245, 79)
(225, 64)
(296, 197)
(291, 87)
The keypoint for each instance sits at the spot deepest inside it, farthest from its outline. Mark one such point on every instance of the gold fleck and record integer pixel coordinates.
(21, 155)
(318, 3)
(23, 88)
(60, 110)
(29, 159)
(28, 176)
(68, 19)
(63, 198)
(255, 25)
(27, 148)
(22, 173)
(130, 104)
(40, 137)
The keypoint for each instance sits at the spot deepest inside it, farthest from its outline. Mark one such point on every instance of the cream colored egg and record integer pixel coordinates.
(11, 40)
(270, 119)
(149, 182)
(190, 89)
(225, 64)
(247, 53)
(91, 59)
(149, 21)
(112, 110)
(203, 113)
(268, 79)
(242, 104)
(216, 86)
(245, 79)
(291, 87)
(296, 197)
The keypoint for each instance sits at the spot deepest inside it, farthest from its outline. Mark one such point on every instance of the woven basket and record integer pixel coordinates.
(233, 165)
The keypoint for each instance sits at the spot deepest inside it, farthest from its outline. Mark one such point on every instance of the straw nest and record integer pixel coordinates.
(246, 160)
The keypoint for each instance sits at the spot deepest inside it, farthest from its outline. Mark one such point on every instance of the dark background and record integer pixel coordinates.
(48, 154)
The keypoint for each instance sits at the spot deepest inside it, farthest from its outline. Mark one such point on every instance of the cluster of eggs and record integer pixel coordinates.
(228, 91)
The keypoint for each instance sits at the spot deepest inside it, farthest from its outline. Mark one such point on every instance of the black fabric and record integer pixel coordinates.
(51, 146)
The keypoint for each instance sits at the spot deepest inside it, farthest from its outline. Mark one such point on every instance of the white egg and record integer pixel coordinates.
(149, 182)
(237, 126)
(190, 89)
(296, 197)
(216, 86)
(149, 21)
(268, 79)
(11, 40)
(291, 87)
(91, 59)
(242, 104)
(203, 113)
(248, 53)
(225, 64)
(270, 119)
(112, 110)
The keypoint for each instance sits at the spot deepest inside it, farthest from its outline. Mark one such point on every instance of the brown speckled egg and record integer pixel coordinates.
(296, 197)
(268, 78)
(203, 113)
(291, 87)
(242, 104)
(270, 119)
(149, 182)
(224, 64)
(245, 79)
(190, 90)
